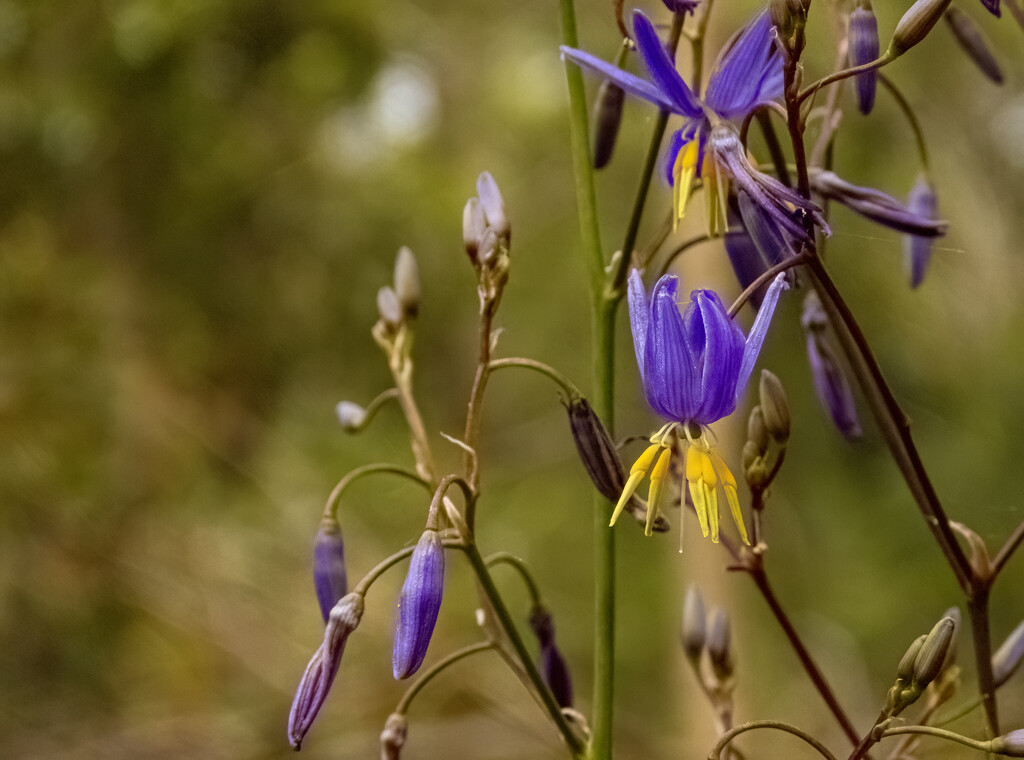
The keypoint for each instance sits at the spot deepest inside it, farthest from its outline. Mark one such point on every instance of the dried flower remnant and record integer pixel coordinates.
(911, 218)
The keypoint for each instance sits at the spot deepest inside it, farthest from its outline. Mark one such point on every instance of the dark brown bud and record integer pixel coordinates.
(973, 42)
(607, 119)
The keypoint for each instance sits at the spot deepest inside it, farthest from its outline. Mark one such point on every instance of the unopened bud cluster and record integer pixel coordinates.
(707, 643)
(486, 235)
(922, 664)
(767, 433)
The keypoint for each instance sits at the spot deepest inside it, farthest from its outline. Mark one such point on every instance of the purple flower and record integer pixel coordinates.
(917, 250)
(323, 667)
(863, 40)
(747, 75)
(830, 381)
(694, 366)
(329, 577)
(552, 664)
(418, 604)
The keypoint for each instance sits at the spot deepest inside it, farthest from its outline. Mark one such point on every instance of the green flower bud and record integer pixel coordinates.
(933, 652)
(905, 670)
(775, 406)
(915, 25)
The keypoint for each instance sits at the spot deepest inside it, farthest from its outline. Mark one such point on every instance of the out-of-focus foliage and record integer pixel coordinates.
(198, 203)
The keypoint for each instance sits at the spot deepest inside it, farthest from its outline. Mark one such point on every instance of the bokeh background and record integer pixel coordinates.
(198, 204)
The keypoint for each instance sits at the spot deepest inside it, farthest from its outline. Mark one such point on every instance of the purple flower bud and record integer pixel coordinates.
(316, 681)
(418, 604)
(694, 624)
(552, 664)
(973, 42)
(878, 206)
(917, 250)
(830, 381)
(1009, 745)
(350, 415)
(493, 204)
(1008, 657)
(863, 41)
(329, 565)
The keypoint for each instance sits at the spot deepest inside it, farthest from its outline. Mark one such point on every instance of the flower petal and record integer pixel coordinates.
(722, 354)
(759, 330)
(639, 309)
(632, 84)
(672, 376)
(662, 70)
(749, 72)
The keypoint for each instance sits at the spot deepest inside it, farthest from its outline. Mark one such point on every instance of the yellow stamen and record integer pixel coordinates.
(684, 170)
(729, 485)
(694, 468)
(657, 483)
(636, 474)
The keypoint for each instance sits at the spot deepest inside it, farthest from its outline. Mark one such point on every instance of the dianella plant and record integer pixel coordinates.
(748, 144)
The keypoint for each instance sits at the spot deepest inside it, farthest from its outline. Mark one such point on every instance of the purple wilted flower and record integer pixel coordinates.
(917, 250)
(323, 667)
(329, 577)
(913, 219)
(747, 75)
(830, 381)
(418, 604)
(552, 664)
(863, 40)
(694, 366)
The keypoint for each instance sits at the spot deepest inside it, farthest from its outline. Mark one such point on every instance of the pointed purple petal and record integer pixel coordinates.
(760, 330)
(634, 85)
(749, 72)
(639, 309)
(671, 375)
(661, 68)
(723, 355)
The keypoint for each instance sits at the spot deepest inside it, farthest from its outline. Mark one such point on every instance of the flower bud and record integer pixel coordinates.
(878, 206)
(757, 432)
(407, 281)
(607, 119)
(905, 670)
(1008, 657)
(953, 613)
(972, 41)
(992, 6)
(775, 406)
(863, 44)
(1009, 745)
(933, 652)
(392, 738)
(830, 383)
(718, 644)
(917, 250)
(329, 577)
(694, 624)
(388, 307)
(473, 226)
(321, 670)
(915, 25)
(418, 604)
(552, 664)
(350, 415)
(493, 205)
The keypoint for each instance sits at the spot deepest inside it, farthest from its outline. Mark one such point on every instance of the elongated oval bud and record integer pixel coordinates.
(973, 42)
(607, 119)
(388, 307)
(719, 645)
(863, 42)
(916, 24)
(407, 281)
(694, 624)
(917, 250)
(493, 205)
(933, 652)
(552, 664)
(473, 226)
(329, 576)
(418, 604)
(1009, 745)
(905, 670)
(775, 406)
(1008, 657)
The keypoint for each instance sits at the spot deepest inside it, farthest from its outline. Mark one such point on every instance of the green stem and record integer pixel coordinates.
(427, 676)
(506, 558)
(878, 63)
(731, 734)
(388, 562)
(544, 369)
(939, 733)
(333, 501)
(1007, 550)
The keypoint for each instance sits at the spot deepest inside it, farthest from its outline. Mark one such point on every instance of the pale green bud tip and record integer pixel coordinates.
(933, 652)
(694, 623)
(757, 431)
(905, 670)
(775, 406)
(407, 281)
(388, 306)
(350, 415)
(392, 738)
(915, 25)
(1009, 745)
(718, 644)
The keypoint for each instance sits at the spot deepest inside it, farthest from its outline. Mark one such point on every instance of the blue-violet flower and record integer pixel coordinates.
(830, 381)
(418, 604)
(693, 366)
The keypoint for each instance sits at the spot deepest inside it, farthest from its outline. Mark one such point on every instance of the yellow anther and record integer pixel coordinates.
(657, 483)
(643, 462)
(694, 470)
(684, 170)
(636, 474)
(729, 485)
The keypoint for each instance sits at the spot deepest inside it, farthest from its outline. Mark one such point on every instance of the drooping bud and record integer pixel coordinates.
(1009, 745)
(972, 41)
(388, 307)
(473, 226)
(694, 624)
(766, 234)
(418, 604)
(863, 44)
(719, 645)
(493, 205)
(552, 664)
(350, 415)
(392, 738)
(601, 459)
(757, 431)
(774, 406)
(830, 383)
(407, 281)
(878, 206)
(933, 652)
(1008, 657)
(915, 25)
(917, 250)
(607, 120)
(321, 670)
(329, 577)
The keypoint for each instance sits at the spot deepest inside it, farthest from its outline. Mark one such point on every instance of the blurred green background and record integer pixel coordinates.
(199, 201)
